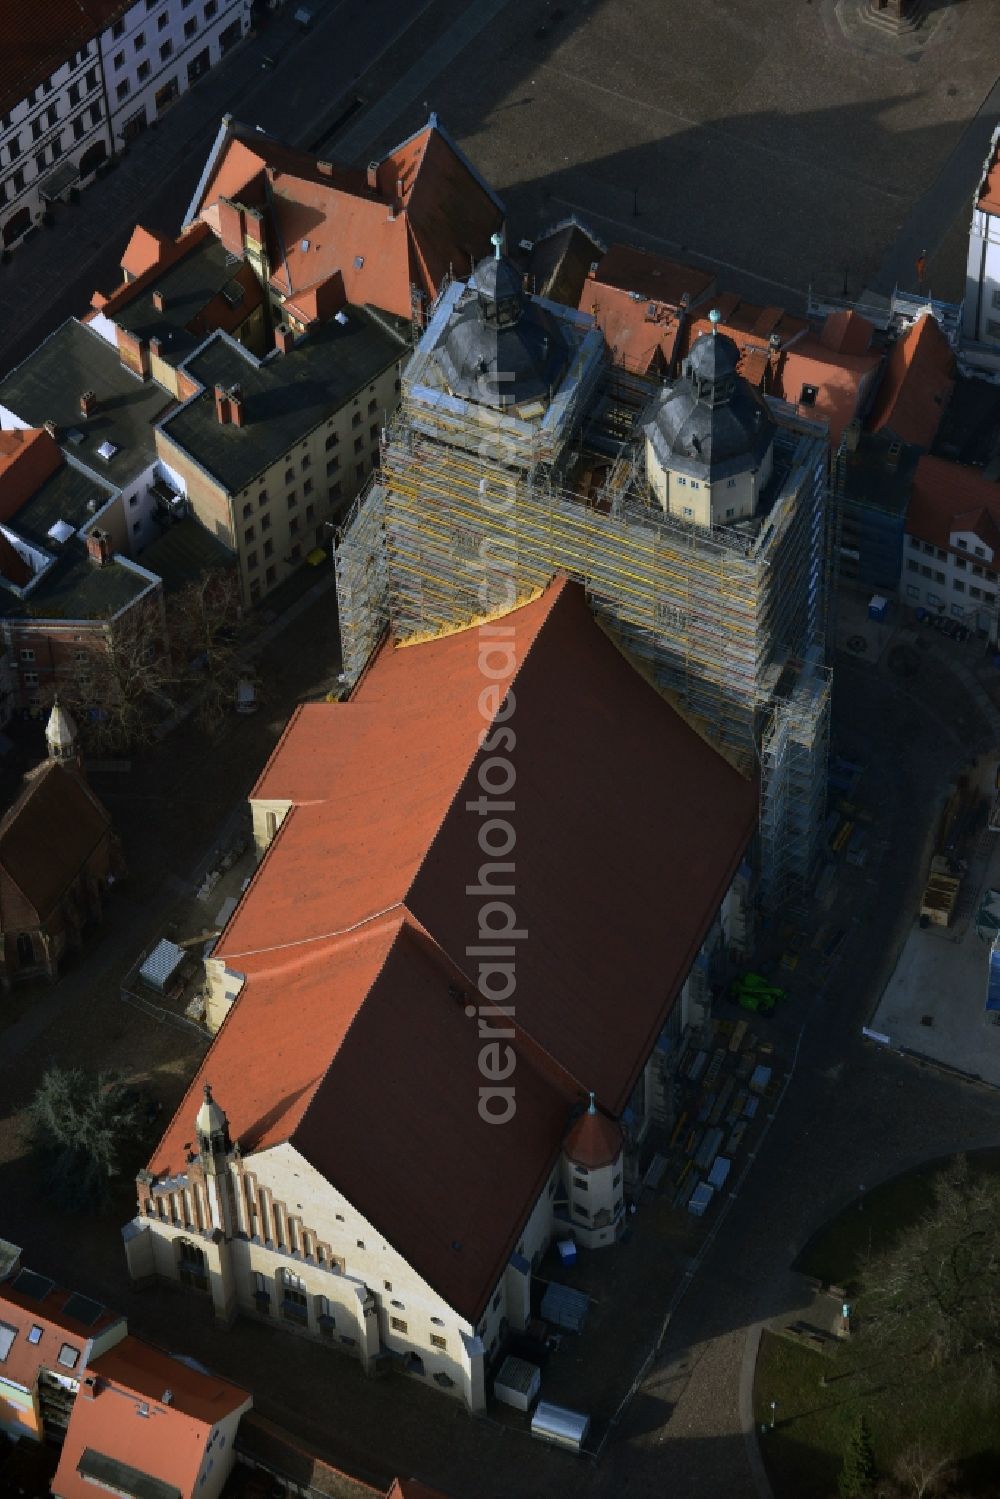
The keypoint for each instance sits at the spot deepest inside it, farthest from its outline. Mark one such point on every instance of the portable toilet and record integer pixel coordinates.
(878, 608)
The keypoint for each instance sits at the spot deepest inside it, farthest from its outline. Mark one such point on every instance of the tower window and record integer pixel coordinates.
(808, 396)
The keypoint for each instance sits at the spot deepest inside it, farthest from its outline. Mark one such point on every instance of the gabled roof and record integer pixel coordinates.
(840, 380)
(749, 326)
(334, 236)
(66, 1319)
(49, 833)
(594, 1140)
(847, 332)
(358, 918)
(145, 1425)
(950, 497)
(638, 300)
(144, 251)
(916, 385)
(27, 458)
(988, 196)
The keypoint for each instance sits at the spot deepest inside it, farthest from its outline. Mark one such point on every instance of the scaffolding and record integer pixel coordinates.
(473, 507)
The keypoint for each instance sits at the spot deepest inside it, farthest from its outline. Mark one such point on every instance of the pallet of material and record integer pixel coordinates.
(698, 1063)
(736, 1134)
(715, 1066)
(736, 1039)
(708, 1149)
(722, 1101)
(736, 1108)
(940, 893)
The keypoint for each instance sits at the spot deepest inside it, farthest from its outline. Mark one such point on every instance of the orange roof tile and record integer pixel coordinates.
(53, 1312)
(333, 238)
(916, 385)
(167, 1439)
(358, 919)
(594, 1141)
(949, 497)
(144, 250)
(750, 327)
(989, 188)
(636, 300)
(847, 332)
(412, 1488)
(841, 381)
(27, 458)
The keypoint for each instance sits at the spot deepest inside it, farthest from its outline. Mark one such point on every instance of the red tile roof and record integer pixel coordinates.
(48, 834)
(841, 381)
(594, 1141)
(37, 39)
(949, 497)
(144, 250)
(334, 239)
(358, 918)
(989, 188)
(847, 332)
(636, 300)
(916, 385)
(412, 1488)
(167, 1440)
(22, 1311)
(27, 459)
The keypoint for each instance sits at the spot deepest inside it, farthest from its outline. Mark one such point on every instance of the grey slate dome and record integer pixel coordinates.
(712, 422)
(501, 348)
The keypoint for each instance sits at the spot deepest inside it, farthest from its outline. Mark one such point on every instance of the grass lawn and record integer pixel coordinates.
(902, 1399)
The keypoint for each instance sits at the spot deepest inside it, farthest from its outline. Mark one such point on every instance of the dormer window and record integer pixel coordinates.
(963, 544)
(808, 396)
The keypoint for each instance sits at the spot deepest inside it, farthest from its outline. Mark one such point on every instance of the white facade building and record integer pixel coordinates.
(157, 49)
(86, 106)
(981, 316)
(951, 555)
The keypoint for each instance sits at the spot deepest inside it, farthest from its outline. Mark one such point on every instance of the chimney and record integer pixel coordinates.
(893, 455)
(852, 435)
(155, 347)
(88, 403)
(325, 168)
(159, 301)
(236, 405)
(373, 175)
(99, 548)
(284, 338)
(592, 273)
(222, 410)
(89, 1386)
(52, 429)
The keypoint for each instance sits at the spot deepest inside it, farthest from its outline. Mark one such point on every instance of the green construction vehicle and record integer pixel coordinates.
(752, 991)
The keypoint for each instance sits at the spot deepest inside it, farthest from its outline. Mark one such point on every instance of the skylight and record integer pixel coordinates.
(107, 451)
(60, 531)
(7, 1336)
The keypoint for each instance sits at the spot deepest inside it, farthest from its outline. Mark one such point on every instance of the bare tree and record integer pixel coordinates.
(125, 677)
(207, 635)
(934, 1292)
(923, 1473)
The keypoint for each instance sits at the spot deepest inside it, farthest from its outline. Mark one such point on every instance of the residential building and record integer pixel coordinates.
(144, 1422)
(155, 50)
(54, 128)
(952, 552)
(63, 589)
(59, 856)
(49, 1339)
(321, 236)
(345, 1175)
(981, 310)
(915, 386)
(268, 451)
(728, 617)
(79, 81)
(872, 481)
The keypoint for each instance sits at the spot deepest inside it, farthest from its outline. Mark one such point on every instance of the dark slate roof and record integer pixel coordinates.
(871, 482)
(49, 833)
(188, 285)
(185, 550)
(49, 384)
(284, 398)
(70, 494)
(711, 422)
(122, 1478)
(501, 348)
(74, 588)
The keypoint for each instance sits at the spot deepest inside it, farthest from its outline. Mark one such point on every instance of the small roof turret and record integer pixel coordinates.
(60, 732)
(594, 1141)
(211, 1120)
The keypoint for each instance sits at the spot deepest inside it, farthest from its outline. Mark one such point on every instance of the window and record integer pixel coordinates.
(247, 511)
(437, 1341)
(260, 1286)
(265, 521)
(332, 440)
(688, 511)
(307, 486)
(616, 1180)
(293, 500)
(939, 577)
(397, 1324)
(249, 533)
(975, 593)
(190, 27)
(963, 543)
(268, 547)
(398, 1305)
(306, 461)
(913, 542)
(961, 564)
(959, 587)
(356, 419)
(913, 567)
(359, 470)
(294, 1304)
(79, 127)
(27, 654)
(118, 29)
(580, 1184)
(293, 526)
(166, 49)
(118, 60)
(122, 90)
(977, 571)
(210, 9)
(695, 484)
(681, 479)
(335, 491)
(730, 483)
(928, 549)
(912, 592)
(140, 41)
(289, 476)
(15, 146)
(74, 93)
(730, 513)
(161, 24)
(373, 432)
(68, 1356)
(359, 444)
(143, 73)
(251, 561)
(56, 144)
(387, 1285)
(310, 513)
(496, 1300)
(372, 406)
(262, 497)
(940, 555)
(35, 1334)
(91, 79)
(926, 572)
(933, 598)
(17, 181)
(95, 114)
(36, 128)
